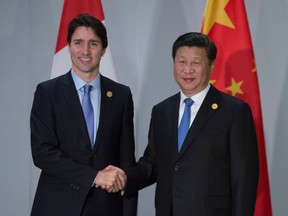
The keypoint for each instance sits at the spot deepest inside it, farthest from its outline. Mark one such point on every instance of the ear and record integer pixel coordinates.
(212, 67)
(103, 52)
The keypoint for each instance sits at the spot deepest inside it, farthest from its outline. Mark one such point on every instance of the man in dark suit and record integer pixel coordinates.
(214, 171)
(71, 154)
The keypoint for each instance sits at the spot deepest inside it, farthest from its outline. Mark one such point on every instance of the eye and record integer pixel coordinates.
(93, 44)
(196, 62)
(181, 61)
(77, 42)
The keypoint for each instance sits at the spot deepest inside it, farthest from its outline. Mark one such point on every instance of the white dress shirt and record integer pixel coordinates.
(198, 100)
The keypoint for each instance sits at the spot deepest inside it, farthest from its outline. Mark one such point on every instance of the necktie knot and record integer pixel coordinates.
(188, 102)
(87, 89)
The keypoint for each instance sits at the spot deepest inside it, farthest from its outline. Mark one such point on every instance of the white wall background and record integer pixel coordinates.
(141, 34)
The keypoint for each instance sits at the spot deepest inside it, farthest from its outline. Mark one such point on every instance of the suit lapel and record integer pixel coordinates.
(171, 116)
(106, 111)
(209, 106)
(71, 96)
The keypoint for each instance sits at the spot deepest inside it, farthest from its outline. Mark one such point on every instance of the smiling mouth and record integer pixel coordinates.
(188, 79)
(85, 59)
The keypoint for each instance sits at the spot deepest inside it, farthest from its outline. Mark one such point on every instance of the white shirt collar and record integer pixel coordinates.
(198, 98)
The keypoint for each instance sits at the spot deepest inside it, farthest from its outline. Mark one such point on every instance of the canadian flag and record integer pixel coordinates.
(62, 61)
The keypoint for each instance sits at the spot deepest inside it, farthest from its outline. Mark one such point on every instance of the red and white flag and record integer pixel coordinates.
(225, 22)
(62, 61)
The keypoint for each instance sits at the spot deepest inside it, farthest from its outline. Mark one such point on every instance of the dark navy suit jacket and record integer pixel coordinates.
(216, 171)
(62, 150)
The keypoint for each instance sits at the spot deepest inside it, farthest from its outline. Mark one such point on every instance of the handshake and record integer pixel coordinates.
(111, 179)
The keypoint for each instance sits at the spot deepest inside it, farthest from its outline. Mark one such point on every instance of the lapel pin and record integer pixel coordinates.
(109, 94)
(214, 106)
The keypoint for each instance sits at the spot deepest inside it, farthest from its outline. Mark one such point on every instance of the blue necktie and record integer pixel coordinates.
(88, 112)
(185, 122)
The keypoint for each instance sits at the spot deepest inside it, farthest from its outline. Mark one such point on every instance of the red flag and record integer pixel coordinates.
(225, 22)
(62, 61)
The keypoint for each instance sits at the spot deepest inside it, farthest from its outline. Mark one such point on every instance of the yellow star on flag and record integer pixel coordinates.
(235, 87)
(217, 15)
(212, 81)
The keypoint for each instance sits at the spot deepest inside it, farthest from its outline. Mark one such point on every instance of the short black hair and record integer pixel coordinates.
(196, 39)
(86, 20)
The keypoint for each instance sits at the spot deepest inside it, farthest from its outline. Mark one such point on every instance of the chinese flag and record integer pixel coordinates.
(62, 61)
(225, 22)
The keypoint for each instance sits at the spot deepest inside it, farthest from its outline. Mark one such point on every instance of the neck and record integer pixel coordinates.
(88, 77)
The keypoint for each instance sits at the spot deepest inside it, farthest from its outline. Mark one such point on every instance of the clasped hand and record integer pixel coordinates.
(111, 179)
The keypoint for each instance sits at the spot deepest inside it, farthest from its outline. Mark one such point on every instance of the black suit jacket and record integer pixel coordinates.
(216, 171)
(61, 149)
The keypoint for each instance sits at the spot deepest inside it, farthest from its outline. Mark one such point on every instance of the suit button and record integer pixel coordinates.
(176, 168)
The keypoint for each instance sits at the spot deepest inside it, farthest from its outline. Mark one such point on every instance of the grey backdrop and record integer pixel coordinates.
(141, 34)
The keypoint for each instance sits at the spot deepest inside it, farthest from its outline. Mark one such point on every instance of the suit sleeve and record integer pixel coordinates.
(127, 154)
(145, 172)
(244, 162)
(46, 148)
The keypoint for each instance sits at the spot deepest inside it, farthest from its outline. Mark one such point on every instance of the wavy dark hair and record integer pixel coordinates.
(86, 20)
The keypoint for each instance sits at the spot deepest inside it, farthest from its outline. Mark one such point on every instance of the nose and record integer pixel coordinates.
(86, 49)
(189, 69)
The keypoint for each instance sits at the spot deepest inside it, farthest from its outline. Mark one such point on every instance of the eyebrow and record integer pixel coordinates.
(92, 40)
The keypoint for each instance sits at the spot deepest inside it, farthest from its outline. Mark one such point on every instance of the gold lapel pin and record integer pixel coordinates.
(214, 106)
(109, 94)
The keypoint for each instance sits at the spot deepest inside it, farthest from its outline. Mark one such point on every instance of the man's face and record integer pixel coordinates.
(192, 69)
(86, 51)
